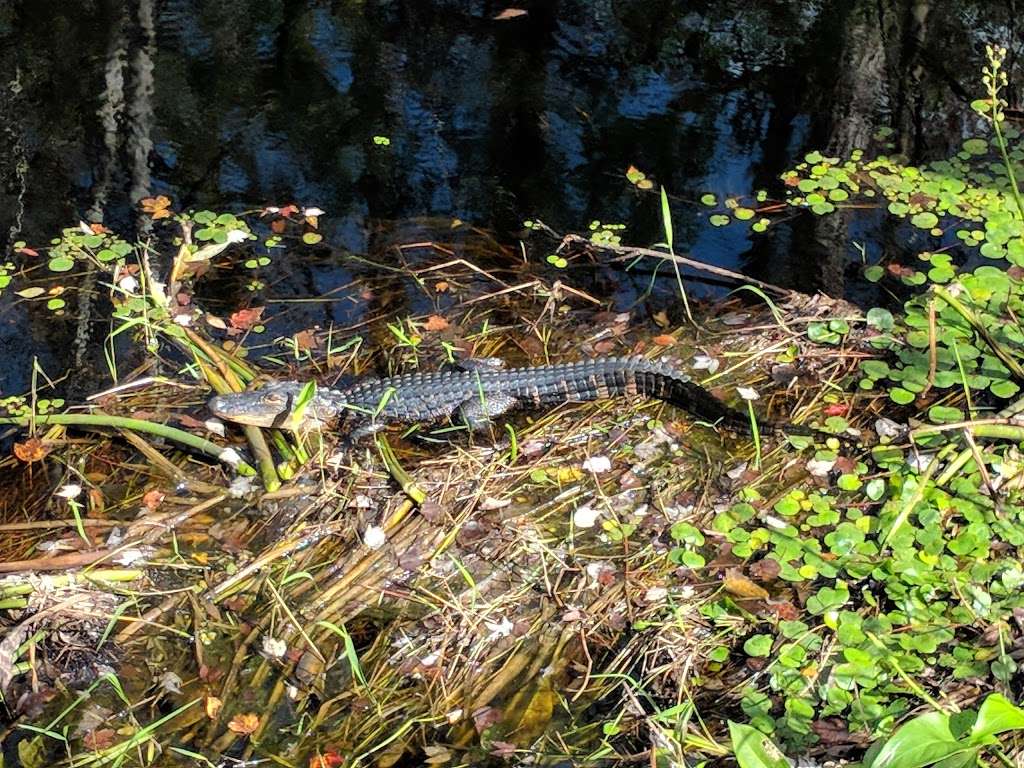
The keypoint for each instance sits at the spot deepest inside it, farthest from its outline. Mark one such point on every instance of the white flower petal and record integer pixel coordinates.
(748, 393)
(585, 517)
(374, 537)
(597, 464)
(70, 491)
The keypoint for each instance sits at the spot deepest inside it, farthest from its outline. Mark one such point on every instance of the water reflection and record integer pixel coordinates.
(238, 104)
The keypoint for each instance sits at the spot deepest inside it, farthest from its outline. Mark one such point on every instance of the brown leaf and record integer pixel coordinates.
(99, 739)
(441, 286)
(27, 251)
(661, 318)
(244, 723)
(157, 207)
(503, 748)
(288, 210)
(190, 422)
(306, 340)
(485, 717)
(328, 759)
(664, 340)
(246, 318)
(435, 323)
(31, 450)
(766, 570)
(784, 610)
(278, 226)
(737, 584)
(833, 731)
(152, 499)
(511, 13)
(213, 706)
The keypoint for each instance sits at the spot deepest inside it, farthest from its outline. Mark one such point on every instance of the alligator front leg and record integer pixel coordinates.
(478, 412)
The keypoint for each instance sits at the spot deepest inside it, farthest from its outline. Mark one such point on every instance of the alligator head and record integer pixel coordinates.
(274, 405)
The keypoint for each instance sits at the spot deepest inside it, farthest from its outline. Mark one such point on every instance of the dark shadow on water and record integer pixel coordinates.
(238, 104)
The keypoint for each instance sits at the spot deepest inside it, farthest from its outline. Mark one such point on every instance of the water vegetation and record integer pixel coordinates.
(601, 585)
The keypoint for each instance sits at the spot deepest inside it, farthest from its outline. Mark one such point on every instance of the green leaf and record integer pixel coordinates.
(61, 264)
(901, 396)
(709, 200)
(758, 645)
(944, 414)
(874, 273)
(1004, 388)
(666, 218)
(880, 318)
(752, 749)
(996, 715)
(875, 488)
(924, 220)
(312, 238)
(718, 220)
(922, 741)
(743, 214)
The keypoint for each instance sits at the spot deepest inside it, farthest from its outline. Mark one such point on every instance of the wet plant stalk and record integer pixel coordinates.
(136, 425)
(979, 327)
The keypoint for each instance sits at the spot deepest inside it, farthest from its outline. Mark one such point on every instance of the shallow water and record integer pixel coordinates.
(239, 104)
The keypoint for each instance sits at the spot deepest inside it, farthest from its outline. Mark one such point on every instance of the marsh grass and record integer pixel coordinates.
(483, 617)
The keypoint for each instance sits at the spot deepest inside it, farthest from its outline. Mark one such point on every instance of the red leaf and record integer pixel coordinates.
(435, 323)
(246, 318)
(510, 13)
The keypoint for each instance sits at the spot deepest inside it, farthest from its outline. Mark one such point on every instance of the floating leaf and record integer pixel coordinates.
(924, 220)
(709, 200)
(31, 293)
(312, 238)
(718, 220)
(61, 264)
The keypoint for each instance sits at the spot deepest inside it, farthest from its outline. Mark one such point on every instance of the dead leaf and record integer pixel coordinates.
(737, 584)
(190, 422)
(152, 499)
(27, 251)
(216, 322)
(213, 706)
(485, 717)
(278, 226)
(435, 323)
(31, 450)
(100, 739)
(784, 610)
(661, 318)
(503, 748)
(31, 293)
(244, 723)
(245, 319)
(158, 207)
(441, 286)
(511, 13)
(664, 340)
(306, 340)
(767, 569)
(328, 759)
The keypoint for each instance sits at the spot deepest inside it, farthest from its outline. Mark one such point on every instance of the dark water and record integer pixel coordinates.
(237, 104)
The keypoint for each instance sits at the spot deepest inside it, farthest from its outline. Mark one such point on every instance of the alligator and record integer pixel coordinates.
(476, 392)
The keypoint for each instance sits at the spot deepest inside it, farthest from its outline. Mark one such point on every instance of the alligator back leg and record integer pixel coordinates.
(477, 412)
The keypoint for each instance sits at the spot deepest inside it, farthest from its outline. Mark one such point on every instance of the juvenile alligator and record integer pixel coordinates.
(475, 394)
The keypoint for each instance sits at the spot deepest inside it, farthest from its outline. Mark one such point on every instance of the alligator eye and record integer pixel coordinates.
(273, 399)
